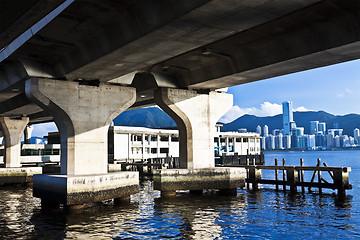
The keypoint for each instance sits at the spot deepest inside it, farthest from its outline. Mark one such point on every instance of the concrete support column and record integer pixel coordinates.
(27, 134)
(83, 114)
(227, 145)
(195, 115)
(12, 130)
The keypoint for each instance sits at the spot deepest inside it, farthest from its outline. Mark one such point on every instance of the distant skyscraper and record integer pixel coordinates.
(287, 117)
(357, 135)
(258, 130)
(287, 141)
(322, 127)
(314, 127)
(266, 131)
(276, 132)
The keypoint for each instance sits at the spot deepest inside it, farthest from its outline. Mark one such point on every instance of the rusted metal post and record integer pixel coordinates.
(302, 175)
(276, 175)
(283, 172)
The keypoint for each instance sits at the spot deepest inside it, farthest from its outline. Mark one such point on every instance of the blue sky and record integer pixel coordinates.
(334, 89)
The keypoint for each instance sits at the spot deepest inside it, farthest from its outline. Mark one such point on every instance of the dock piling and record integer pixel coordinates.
(276, 175)
(283, 172)
(302, 175)
(319, 174)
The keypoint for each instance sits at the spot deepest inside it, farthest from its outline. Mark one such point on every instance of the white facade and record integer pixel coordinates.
(144, 143)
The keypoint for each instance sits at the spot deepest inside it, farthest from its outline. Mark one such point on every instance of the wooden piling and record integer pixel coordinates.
(313, 176)
(319, 174)
(254, 177)
(292, 177)
(302, 175)
(276, 175)
(283, 172)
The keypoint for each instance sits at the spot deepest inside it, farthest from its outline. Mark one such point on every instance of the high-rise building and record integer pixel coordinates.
(310, 142)
(314, 127)
(276, 132)
(258, 129)
(287, 141)
(322, 127)
(266, 131)
(279, 141)
(287, 117)
(357, 135)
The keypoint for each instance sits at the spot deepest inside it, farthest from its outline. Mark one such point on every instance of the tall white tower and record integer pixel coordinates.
(287, 117)
(266, 131)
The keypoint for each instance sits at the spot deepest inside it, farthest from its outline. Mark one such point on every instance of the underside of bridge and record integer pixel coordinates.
(136, 53)
(202, 45)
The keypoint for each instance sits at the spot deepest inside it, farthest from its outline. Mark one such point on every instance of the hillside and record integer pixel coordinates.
(151, 117)
(154, 117)
(302, 119)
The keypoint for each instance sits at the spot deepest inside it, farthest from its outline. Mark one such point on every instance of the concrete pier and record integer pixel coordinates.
(195, 115)
(170, 180)
(83, 114)
(13, 173)
(18, 175)
(80, 189)
(13, 130)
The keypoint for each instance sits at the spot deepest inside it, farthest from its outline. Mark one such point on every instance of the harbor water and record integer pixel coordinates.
(265, 214)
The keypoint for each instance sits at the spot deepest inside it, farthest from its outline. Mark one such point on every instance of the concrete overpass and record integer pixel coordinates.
(96, 59)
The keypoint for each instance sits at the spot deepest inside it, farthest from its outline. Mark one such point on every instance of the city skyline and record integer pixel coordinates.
(293, 137)
(334, 89)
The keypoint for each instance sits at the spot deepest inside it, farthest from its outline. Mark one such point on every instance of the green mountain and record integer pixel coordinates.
(302, 119)
(151, 117)
(154, 117)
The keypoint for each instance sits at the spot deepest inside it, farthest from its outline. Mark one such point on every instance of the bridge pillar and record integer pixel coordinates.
(82, 114)
(196, 115)
(12, 130)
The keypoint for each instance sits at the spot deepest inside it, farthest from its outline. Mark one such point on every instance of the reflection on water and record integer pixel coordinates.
(264, 214)
(255, 215)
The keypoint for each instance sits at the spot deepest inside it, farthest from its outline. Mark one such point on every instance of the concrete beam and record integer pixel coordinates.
(324, 33)
(82, 114)
(17, 16)
(195, 115)
(14, 103)
(13, 130)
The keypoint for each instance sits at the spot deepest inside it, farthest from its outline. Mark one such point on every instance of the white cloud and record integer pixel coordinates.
(348, 90)
(43, 129)
(266, 109)
(234, 113)
(301, 109)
